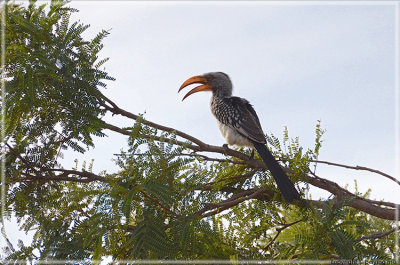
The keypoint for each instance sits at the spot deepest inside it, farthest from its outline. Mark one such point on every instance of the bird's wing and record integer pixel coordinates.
(247, 123)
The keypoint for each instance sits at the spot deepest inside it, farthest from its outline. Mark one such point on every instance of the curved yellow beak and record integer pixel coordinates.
(193, 80)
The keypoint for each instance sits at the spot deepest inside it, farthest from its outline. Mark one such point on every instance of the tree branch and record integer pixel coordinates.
(210, 185)
(233, 201)
(64, 176)
(279, 230)
(26, 162)
(196, 145)
(155, 137)
(86, 174)
(379, 235)
(116, 110)
(203, 157)
(358, 168)
(166, 209)
(362, 204)
(199, 147)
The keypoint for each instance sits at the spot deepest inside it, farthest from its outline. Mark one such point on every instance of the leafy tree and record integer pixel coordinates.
(174, 196)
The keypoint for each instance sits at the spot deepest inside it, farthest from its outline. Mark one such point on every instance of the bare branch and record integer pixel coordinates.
(334, 187)
(116, 110)
(156, 138)
(379, 235)
(213, 159)
(233, 201)
(358, 168)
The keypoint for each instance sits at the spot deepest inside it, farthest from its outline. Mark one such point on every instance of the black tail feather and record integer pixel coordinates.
(285, 185)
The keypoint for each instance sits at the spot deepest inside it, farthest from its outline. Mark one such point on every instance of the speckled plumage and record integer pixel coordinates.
(237, 120)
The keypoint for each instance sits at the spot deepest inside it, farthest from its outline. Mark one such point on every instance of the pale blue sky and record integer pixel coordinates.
(295, 63)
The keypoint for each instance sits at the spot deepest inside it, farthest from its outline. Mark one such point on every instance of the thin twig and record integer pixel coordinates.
(279, 230)
(204, 157)
(63, 176)
(210, 185)
(235, 200)
(26, 162)
(154, 137)
(116, 110)
(196, 148)
(166, 209)
(61, 142)
(358, 168)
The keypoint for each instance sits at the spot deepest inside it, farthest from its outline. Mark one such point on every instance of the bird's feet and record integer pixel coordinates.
(226, 148)
(251, 157)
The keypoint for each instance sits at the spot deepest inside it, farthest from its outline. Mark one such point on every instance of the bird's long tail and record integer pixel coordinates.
(286, 186)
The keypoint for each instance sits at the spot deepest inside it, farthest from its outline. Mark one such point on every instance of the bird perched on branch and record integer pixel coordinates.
(239, 124)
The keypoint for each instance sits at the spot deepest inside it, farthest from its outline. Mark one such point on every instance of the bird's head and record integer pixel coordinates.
(217, 82)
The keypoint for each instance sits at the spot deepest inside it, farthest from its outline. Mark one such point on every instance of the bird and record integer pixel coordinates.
(239, 124)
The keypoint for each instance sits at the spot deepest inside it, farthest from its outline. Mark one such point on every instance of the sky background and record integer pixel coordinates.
(296, 62)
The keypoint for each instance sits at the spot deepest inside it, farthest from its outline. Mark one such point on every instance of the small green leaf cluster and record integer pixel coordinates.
(292, 154)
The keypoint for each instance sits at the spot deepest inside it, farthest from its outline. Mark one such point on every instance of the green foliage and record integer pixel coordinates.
(52, 82)
(160, 204)
(334, 232)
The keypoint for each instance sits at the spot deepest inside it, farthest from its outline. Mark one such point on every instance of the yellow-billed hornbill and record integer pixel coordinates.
(239, 124)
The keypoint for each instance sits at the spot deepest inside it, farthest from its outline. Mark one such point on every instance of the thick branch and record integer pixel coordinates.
(362, 204)
(85, 174)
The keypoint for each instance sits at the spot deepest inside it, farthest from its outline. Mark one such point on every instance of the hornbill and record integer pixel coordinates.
(239, 124)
